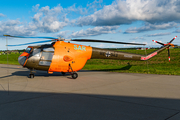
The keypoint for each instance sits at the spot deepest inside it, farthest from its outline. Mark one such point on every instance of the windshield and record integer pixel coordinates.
(28, 50)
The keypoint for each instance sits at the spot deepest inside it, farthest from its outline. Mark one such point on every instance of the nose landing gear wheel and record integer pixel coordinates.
(31, 75)
(74, 75)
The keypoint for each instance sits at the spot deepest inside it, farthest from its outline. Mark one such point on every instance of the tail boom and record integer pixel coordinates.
(98, 53)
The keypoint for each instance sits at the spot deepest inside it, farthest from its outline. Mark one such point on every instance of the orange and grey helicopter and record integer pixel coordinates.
(61, 56)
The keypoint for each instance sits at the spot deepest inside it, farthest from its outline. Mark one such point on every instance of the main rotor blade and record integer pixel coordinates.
(29, 37)
(78, 40)
(104, 41)
(31, 43)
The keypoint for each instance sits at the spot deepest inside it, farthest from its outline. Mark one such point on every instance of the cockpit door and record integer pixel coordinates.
(46, 56)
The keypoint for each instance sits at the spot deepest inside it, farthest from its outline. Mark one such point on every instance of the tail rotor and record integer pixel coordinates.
(168, 44)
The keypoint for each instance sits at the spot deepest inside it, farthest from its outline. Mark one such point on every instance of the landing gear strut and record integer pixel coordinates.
(73, 74)
(31, 74)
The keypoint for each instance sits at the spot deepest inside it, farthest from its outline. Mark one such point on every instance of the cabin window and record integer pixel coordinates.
(49, 49)
(45, 63)
(36, 52)
(47, 55)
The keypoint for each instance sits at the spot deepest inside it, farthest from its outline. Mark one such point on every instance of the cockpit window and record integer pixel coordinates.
(28, 50)
(36, 52)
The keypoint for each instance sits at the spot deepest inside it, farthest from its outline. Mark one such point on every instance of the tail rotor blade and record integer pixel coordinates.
(169, 54)
(158, 42)
(173, 39)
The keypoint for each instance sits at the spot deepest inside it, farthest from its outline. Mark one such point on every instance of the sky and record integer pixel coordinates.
(137, 21)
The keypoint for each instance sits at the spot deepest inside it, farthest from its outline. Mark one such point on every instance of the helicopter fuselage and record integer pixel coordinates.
(68, 57)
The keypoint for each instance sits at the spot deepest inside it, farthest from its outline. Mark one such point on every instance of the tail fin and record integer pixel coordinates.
(159, 50)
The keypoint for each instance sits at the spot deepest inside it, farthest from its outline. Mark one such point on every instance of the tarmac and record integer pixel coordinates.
(94, 95)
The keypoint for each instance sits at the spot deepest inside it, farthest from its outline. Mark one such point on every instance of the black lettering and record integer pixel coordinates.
(114, 55)
(101, 53)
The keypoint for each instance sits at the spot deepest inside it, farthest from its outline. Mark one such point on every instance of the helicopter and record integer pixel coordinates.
(61, 56)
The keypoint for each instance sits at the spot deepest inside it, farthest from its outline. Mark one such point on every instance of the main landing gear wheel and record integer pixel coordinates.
(31, 75)
(74, 75)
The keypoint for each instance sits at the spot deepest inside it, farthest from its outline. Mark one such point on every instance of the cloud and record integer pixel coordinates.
(100, 45)
(150, 27)
(177, 31)
(48, 20)
(158, 15)
(77, 10)
(15, 27)
(94, 31)
(45, 20)
(36, 7)
(63, 33)
(96, 4)
(127, 11)
(51, 20)
(138, 38)
(2, 15)
(89, 9)
(158, 34)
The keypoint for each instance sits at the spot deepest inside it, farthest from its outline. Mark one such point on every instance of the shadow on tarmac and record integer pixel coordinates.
(123, 68)
(68, 106)
(45, 74)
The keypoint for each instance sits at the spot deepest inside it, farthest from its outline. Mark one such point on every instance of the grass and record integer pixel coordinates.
(156, 65)
(12, 59)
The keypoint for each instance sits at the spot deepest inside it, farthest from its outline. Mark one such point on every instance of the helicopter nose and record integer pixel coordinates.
(22, 60)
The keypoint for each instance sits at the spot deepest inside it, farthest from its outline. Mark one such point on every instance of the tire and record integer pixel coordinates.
(74, 75)
(31, 75)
